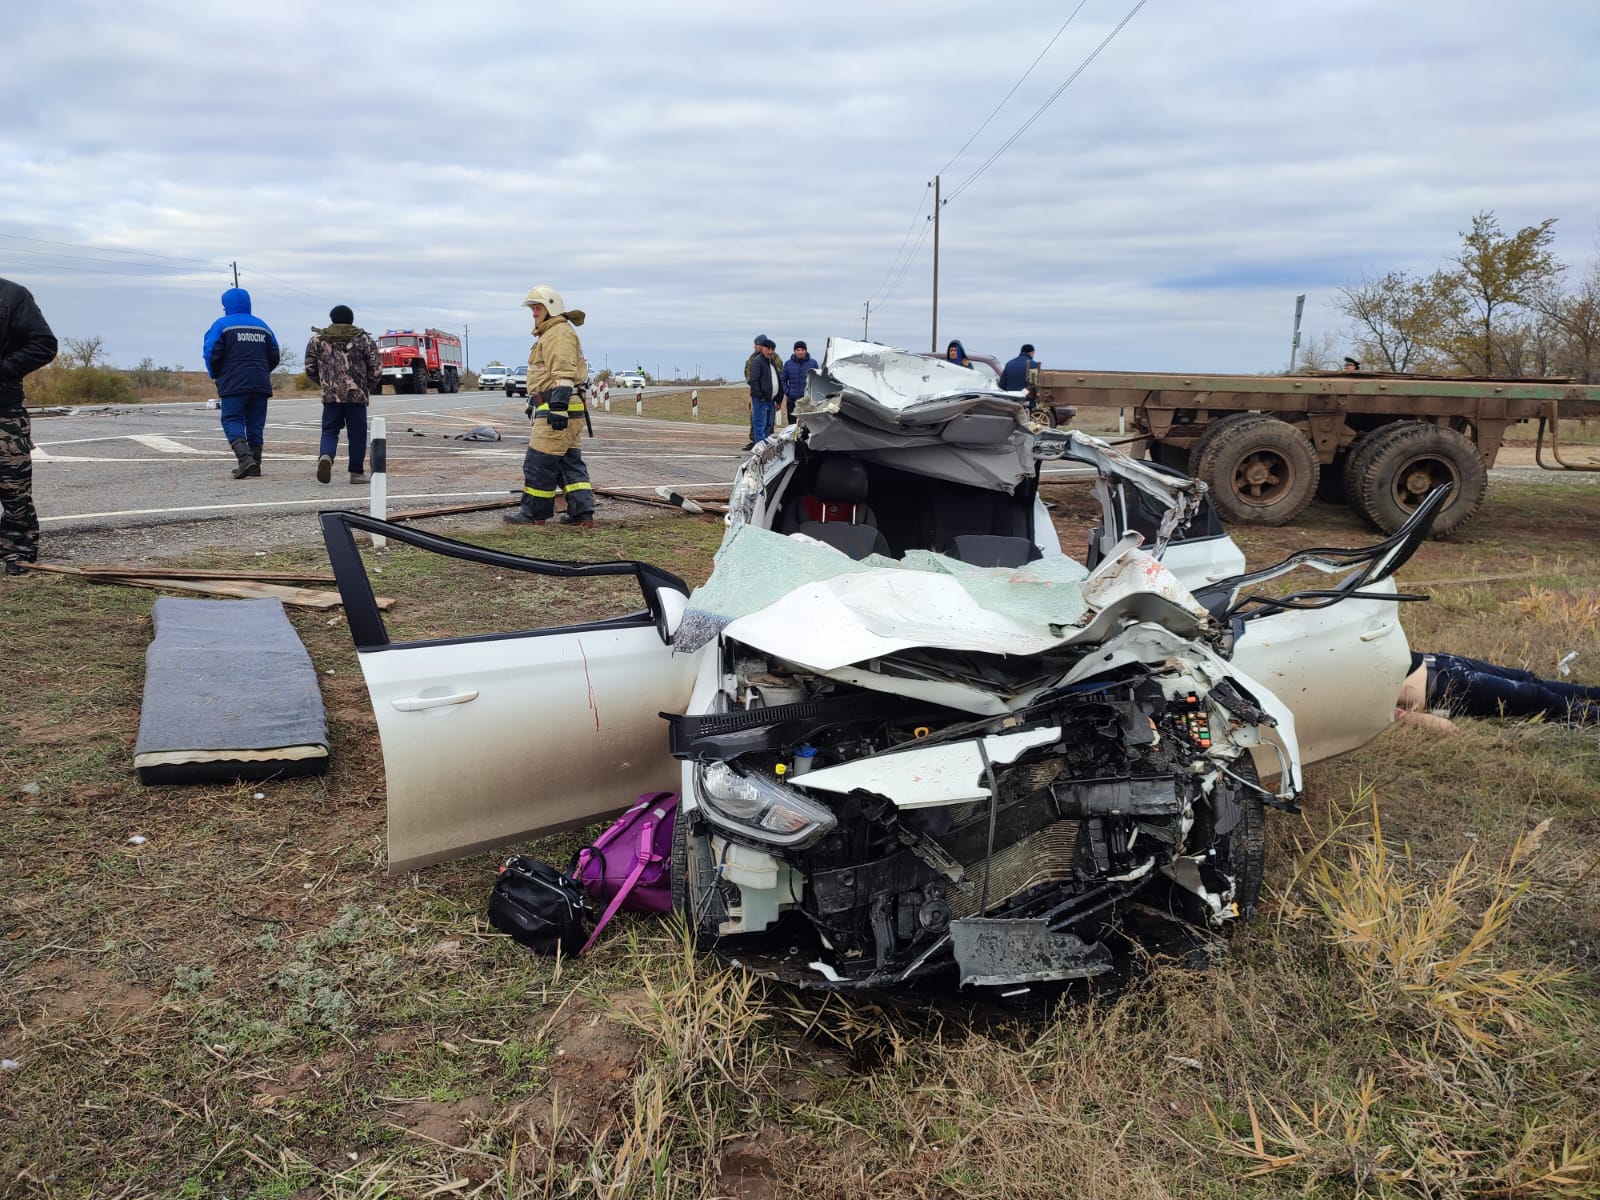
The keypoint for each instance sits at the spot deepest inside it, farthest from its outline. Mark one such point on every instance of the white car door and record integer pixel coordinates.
(1336, 655)
(493, 739)
(1338, 669)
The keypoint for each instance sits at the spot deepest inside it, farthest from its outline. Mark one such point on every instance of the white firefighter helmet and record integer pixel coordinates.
(546, 295)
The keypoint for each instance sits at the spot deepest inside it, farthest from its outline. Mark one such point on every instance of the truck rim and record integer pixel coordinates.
(1263, 477)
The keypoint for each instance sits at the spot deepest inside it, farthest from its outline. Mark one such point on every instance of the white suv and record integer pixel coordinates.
(492, 377)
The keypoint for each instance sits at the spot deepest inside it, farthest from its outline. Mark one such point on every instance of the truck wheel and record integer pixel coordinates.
(419, 381)
(452, 382)
(1394, 467)
(1261, 471)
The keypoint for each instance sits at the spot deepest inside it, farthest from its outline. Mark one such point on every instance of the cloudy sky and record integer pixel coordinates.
(694, 174)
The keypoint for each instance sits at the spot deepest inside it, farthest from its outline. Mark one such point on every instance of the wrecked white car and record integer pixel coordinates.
(915, 740)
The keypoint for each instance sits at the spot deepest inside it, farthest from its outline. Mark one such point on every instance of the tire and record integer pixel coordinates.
(1245, 845)
(447, 381)
(1397, 465)
(702, 926)
(419, 381)
(1261, 471)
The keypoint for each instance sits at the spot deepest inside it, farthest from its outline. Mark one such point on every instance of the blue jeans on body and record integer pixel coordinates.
(245, 417)
(352, 418)
(761, 418)
(1474, 688)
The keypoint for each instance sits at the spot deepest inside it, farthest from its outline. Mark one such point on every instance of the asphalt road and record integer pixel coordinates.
(152, 464)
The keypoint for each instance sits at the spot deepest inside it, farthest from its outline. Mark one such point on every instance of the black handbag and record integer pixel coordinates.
(541, 907)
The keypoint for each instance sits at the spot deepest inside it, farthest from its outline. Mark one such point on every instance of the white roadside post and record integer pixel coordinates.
(379, 454)
(605, 395)
(638, 402)
(694, 404)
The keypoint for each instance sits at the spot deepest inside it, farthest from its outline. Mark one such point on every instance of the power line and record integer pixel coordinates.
(1020, 81)
(923, 199)
(15, 237)
(100, 266)
(927, 228)
(1054, 96)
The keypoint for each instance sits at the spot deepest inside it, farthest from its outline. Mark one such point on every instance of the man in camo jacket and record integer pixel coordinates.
(343, 359)
(26, 344)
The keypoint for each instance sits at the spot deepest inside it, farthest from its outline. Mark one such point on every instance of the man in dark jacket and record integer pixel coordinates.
(1014, 378)
(241, 353)
(793, 376)
(765, 392)
(343, 359)
(26, 344)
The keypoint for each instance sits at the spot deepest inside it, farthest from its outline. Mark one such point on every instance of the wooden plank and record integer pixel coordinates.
(179, 573)
(175, 573)
(449, 509)
(241, 589)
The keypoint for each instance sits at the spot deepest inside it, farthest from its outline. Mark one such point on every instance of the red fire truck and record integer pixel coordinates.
(414, 361)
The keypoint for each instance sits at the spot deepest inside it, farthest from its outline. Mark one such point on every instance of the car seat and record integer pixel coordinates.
(836, 512)
(838, 495)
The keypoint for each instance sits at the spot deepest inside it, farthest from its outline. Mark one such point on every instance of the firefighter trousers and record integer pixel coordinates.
(544, 476)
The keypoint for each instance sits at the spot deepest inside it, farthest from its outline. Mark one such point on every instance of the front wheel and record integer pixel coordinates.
(696, 894)
(419, 381)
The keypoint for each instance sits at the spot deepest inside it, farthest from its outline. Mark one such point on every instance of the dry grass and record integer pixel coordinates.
(247, 1006)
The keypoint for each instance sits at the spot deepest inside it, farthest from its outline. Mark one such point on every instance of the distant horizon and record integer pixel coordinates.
(1154, 201)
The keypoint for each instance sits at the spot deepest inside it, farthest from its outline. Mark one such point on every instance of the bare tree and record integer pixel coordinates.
(1399, 318)
(83, 352)
(1319, 352)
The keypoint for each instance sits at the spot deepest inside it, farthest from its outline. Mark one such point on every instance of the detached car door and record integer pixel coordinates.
(494, 738)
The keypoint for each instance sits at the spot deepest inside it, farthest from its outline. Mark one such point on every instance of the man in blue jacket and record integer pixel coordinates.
(793, 376)
(241, 353)
(1014, 378)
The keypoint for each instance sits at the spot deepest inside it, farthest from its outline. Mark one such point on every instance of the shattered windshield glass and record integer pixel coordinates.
(831, 602)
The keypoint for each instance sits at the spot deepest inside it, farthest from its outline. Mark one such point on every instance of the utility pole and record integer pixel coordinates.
(866, 317)
(466, 350)
(935, 346)
(1294, 346)
(235, 267)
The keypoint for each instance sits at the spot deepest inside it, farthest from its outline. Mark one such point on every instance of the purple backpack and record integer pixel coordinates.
(629, 865)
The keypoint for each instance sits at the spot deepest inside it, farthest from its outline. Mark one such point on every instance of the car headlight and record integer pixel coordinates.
(761, 809)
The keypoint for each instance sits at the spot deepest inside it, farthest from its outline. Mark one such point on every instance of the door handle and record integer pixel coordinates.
(416, 703)
(1383, 630)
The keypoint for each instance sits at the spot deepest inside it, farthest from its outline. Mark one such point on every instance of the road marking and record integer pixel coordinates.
(164, 444)
(506, 493)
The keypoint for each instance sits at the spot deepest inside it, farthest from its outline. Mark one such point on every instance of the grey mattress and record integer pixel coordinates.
(229, 693)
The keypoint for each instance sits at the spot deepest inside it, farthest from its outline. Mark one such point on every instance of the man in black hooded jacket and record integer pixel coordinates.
(26, 344)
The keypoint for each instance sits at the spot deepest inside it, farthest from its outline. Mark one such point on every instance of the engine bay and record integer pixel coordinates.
(870, 838)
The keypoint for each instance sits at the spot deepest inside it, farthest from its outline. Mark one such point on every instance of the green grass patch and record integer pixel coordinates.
(247, 1004)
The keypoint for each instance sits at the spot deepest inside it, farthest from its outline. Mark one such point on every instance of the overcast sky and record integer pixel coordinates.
(694, 174)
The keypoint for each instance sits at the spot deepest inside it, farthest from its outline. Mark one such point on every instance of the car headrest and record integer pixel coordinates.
(842, 481)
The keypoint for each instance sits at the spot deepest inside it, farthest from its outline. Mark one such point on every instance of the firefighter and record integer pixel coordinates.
(553, 463)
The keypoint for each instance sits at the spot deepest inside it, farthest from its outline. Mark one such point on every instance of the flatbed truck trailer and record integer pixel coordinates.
(1266, 444)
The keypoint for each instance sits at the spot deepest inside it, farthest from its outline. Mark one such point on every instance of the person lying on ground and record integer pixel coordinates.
(1470, 687)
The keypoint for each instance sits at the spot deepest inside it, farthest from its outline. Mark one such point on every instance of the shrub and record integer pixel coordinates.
(78, 385)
